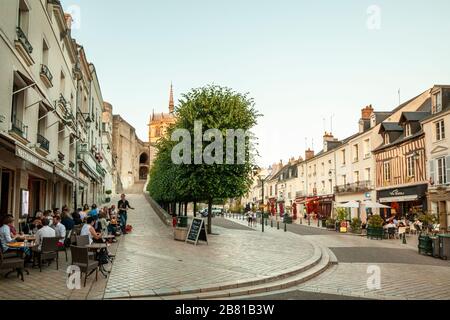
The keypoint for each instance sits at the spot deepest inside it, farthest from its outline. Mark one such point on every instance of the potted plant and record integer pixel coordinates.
(355, 225)
(342, 217)
(375, 227)
(108, 198)
(425, 242)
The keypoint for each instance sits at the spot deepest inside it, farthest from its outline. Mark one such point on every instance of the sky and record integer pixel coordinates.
(311, 66)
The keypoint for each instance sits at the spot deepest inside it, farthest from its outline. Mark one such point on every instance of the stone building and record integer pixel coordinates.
(50, 112)
(159, 122)
(131, 157)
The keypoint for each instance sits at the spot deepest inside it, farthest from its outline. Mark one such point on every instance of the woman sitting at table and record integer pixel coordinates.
(5, 233)
(89, 230)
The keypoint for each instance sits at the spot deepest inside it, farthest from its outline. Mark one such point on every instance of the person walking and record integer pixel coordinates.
(123, 205)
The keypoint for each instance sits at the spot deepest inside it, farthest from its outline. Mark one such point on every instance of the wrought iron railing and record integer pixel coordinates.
(19, 128)
(361, 186)
(45, 71)
(43, 142)
(24, 40)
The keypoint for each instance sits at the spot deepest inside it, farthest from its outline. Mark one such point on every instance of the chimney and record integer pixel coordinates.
(327, 137)
(69, 20)
(309, 154)
(367, 112)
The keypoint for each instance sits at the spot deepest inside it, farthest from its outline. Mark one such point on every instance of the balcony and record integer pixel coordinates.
(61, 157)
(44, 144)
(24, 46)
(362, 186)
(46, 76)
(19, 130)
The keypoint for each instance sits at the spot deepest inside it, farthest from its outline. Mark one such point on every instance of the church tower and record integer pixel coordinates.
(160, 121)
(171, 102)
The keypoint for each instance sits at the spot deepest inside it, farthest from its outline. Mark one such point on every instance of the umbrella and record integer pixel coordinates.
(350, 204)
(375, 205)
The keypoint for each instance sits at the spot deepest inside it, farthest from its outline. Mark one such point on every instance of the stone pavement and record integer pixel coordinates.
(149, 262)
(404, 274)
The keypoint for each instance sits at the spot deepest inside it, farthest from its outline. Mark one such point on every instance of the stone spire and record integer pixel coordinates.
(171, 102)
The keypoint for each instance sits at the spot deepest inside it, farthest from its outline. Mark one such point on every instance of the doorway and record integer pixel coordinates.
(37, 195)
(6, 187)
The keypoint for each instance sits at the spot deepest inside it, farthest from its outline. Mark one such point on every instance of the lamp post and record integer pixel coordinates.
(263, 178)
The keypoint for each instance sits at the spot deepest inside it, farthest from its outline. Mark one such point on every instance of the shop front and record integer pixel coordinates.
(63, 186)
(439, 205)
(404, 202)
(320, 206)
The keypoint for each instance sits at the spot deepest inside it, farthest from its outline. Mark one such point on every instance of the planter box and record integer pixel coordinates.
(425, 245)
(180, 234)
(375, 233)
(287, 220)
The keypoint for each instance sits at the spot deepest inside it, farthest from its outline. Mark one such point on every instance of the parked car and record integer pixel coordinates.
(215, 212)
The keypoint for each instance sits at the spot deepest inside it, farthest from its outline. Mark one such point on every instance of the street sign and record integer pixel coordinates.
(197, 232)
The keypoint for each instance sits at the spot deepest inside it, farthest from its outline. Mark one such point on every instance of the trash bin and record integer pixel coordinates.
(182, 222)
(444, 246)
(435, 245)
(425, 245)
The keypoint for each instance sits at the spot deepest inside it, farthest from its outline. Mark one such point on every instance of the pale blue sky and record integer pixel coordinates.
(301, 60)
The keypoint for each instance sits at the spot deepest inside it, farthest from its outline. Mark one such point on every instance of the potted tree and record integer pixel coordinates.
(331, 224)
(342, 218)
(425, 241)
(355, 225)
(375, 227)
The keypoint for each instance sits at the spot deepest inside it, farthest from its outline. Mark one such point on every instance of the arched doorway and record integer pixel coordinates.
(143, 159)
(143, 173)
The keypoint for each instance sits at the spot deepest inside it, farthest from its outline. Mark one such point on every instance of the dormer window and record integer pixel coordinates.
(437, 107)
(387, 139)
(408, 132)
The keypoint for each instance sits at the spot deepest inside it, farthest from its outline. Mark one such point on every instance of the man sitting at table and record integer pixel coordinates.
(5, 233)
(44, 232)
(89, 230)
(60, 230)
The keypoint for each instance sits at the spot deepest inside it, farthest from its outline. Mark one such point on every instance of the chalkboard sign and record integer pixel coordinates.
(197, 232)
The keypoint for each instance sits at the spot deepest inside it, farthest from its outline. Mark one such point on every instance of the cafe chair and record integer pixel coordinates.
(49, 251)
(80, 258)
(83, 241)
(66, 243)
(14, 264)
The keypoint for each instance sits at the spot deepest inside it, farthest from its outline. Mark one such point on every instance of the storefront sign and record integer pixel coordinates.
(24, 203)
(26, 155)
(64, 175)
(403, 194)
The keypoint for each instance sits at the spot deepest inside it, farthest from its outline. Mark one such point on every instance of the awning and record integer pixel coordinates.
(29, 83)
(374, 205)
(350, 204)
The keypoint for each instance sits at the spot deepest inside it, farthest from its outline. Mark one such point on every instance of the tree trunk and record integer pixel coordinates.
(195, 209)
(210, 203)
(185, 209)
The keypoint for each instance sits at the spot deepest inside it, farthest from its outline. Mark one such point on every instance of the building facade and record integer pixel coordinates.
(437, 145)
(48, 112)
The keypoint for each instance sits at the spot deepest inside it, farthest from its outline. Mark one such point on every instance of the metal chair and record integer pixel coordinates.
(392, 232)
(14, 264)
(80, 258)
(82, 241)
(49, 251)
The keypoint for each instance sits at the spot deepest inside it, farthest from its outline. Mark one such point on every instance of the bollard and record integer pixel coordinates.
(271, 223)
(404, 238)
(309, 221)
(318, 222)
(278, 225)
(285, 227)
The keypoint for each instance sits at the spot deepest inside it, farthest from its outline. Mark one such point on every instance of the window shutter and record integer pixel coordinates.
(432, 171)
(447, 165)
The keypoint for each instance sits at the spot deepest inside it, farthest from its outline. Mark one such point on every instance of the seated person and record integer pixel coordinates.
(89, 230)
(5, 233)
(44, 232)
(60, 230)
(94, 211)
(76, 216)
(67, 220)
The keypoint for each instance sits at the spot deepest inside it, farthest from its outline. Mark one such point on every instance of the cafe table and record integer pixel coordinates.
(20, 248)
(96, 247)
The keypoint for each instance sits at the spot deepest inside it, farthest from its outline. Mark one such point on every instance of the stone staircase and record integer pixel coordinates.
(137, 188)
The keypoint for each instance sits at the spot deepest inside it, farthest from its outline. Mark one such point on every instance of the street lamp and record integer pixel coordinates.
(263, 178)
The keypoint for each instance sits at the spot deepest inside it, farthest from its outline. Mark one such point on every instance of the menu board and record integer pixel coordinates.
(197, 232)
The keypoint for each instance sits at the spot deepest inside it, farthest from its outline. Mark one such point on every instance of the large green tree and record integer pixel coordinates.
(219, 109)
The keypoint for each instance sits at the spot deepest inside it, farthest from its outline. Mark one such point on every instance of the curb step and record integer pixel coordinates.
(327, 259)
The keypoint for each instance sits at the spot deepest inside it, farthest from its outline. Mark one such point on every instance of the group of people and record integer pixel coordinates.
(96, 223)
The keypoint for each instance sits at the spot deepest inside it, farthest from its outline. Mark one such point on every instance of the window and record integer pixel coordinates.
(356, 176)
(387, 171)
(437, 102)
(355, 153)
(344, 180)
(343, 158)
(410, 166)
(323, 169)
(366, 146)
(45, 49)
(367, 174)
(440, 130)
(23, 17)
(387, 139)
(315, 169)
(323, 185)
(441, 171)
(408, 130)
